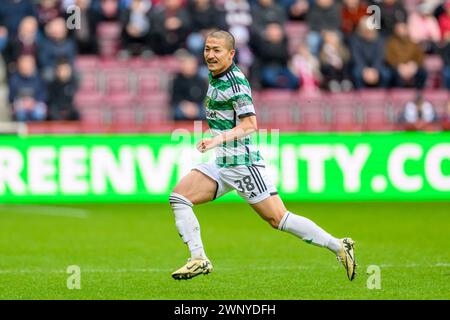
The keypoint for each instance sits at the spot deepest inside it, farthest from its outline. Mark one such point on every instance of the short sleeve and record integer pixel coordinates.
(242, 102)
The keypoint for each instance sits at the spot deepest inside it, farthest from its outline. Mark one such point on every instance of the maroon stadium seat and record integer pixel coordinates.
(92, 116)
(119, 100)
(116, 80)
(88, 100)
(154, 108)
(89, 82)
(108, 35)
(276, 106)
(374, 106)
(313, 113)
(438, 98)
(397, 101)
(91, 107)
(119, 108)
(137, 63)
(345, 111)
(147, 80)
(434, 65)
(125, 116)
(170, 64)
(86, 62)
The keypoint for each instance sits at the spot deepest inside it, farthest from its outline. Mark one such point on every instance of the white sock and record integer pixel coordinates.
(187, 224)
(308, 231)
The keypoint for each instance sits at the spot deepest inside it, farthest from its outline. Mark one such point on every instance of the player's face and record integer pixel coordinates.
(217, 56)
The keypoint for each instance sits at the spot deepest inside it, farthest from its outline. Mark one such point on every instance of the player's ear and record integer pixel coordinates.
(232, 53)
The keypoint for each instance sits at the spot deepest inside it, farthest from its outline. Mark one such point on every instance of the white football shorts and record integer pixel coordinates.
(250, 182)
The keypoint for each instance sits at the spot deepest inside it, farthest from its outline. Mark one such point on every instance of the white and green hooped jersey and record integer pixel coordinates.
(228, 100)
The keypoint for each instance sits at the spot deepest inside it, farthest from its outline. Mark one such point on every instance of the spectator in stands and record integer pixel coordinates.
(323, 15)
(25, 43)
(237, 13)
(367, 51)
(391, 12)
(109, 11)
(63, 89)
(27, 92)
(445, 54)
(3, 68)
(47, 10)
(352, 12)
(444, 21)
(438, 6)
(56, 46)
(418, 114)
(273, 56)
(188, 91)
(13, 11)
(85, 35)
(136, 27)
(307, 67)
(3, 38)
(405, 58)
(205, 18)
(170, 25)
(238, 19)
(265, 12)
(424, 28)
(244, 56)
(334, 59)
(296, 9)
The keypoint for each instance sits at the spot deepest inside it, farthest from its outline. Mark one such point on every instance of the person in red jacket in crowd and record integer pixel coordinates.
(444, 21)
(352, 12)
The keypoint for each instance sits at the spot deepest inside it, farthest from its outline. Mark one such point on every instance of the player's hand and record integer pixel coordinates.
(207, 144)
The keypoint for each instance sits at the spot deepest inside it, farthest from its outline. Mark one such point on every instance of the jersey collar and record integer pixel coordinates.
(217, 76)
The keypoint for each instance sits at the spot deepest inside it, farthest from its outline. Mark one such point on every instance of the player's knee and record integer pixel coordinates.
(176, 198)
(275, 219)
(274, 223)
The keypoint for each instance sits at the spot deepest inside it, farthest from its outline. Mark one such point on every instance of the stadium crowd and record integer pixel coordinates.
(343, 48)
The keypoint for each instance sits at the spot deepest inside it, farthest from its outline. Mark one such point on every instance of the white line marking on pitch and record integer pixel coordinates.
(47, 211)
(149, 270)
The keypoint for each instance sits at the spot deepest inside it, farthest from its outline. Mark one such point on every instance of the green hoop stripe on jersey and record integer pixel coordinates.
(221, 124)
(224, 85)
(229, 96)
(228, 104)
(230, 161)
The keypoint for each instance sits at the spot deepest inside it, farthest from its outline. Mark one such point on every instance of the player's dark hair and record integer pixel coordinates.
(222, 34)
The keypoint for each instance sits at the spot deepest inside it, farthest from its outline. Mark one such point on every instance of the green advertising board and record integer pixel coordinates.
(144, 168)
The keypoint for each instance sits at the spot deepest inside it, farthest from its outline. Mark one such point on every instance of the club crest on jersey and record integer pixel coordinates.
(214, 94)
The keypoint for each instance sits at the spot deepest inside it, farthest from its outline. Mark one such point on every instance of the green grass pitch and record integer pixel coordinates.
(128, 251)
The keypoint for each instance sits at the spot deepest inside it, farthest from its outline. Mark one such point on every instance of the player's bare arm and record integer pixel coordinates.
(247, 126)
